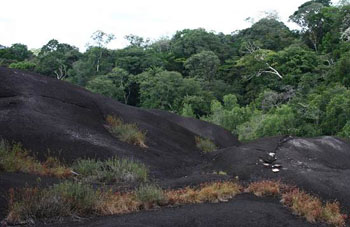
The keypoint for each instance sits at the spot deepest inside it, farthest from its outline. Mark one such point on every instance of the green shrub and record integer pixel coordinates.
(129, 133)
(150, 194)
(205, 145)
(111, 170)
(24, 65)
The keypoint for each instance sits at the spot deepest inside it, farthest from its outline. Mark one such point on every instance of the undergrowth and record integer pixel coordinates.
(129, 133)
(205, 145)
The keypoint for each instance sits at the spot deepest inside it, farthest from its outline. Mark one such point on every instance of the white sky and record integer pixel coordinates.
(35, 22)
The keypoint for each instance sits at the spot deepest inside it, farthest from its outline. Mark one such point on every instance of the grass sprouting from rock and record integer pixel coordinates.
(311, 207)
(150, 195)
(301, 203)
(205, 145)
(265, 188)
(64, 199)
(74, 198)
(14, 158)
(210, 192)
(129, 133)
(110, 171)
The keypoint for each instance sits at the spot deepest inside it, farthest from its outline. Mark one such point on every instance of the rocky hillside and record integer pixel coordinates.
(54, 118)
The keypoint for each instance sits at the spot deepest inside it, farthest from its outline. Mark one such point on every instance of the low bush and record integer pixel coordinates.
(110, 171)
(129, 133)
(14, 158)
(205, 145)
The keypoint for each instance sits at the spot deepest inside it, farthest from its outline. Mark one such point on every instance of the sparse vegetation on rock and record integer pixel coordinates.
(64, 199)
(265, 188)
(310, 207)
(129, 133)
(112, 170)
(301, 203)
(205, 145)
(14, 158)
(150, 195)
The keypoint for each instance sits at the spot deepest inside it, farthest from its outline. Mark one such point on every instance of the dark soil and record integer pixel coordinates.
(55, 118)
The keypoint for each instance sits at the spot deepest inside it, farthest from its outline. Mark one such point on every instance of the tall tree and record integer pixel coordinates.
(100, 39)
(56, 59)
(309, 18)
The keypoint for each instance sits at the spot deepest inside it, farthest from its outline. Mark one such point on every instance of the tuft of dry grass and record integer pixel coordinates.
(300, 202)
(331, 214)
(311, 207)
(303, 204)
(14, 158)
(118, 203)
(205, 145)
(265, 188)
(129, 133)
(210, 192)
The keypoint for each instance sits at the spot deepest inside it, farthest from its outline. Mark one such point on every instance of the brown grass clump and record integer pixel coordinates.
(332, 215)
(129, 133)
(182, 196)
(14, 158)
(265, 188)
(303, 204)
(118, 203)
(311, 208)
(211, 192)
(219, 191)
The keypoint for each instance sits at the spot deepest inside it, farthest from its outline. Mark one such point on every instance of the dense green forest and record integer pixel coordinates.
(261, 81)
